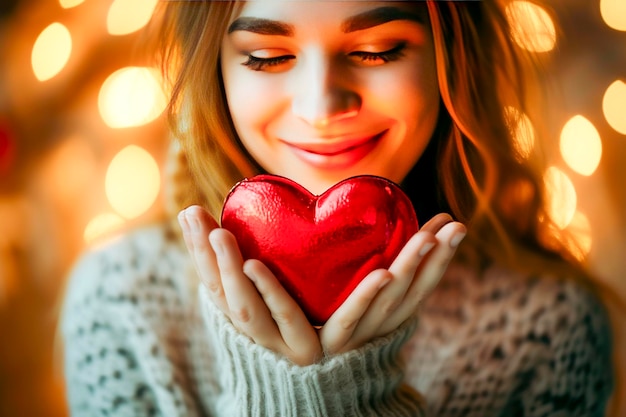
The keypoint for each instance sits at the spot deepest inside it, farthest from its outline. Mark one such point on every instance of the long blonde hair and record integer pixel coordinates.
(470, 168)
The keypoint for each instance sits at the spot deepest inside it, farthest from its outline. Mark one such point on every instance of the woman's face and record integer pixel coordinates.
(321, 91)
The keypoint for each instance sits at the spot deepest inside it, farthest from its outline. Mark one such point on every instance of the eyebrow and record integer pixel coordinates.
(355, 23)
(261, 26)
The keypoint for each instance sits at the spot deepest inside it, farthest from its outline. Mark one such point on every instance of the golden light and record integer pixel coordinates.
(614, 13)
(614, 105)
(102, 225)
(581, 146)
(70, 169)
(128, 16)
(51, 51)
(131, 96)
(531, 25)
(523, 132)
(132, 181)
(580, 229)
(562, 199)
(68, 4)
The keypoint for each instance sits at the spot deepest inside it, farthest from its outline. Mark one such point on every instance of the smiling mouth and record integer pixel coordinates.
(330, 149)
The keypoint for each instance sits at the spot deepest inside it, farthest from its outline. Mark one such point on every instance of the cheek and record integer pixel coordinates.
(251, 101)
(410, 93)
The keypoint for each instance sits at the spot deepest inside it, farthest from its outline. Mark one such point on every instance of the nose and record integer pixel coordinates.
(323, 96)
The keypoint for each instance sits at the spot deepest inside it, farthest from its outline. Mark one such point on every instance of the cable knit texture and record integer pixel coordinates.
(142, 339)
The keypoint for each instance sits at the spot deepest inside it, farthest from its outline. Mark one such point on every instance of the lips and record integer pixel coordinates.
(335, 153)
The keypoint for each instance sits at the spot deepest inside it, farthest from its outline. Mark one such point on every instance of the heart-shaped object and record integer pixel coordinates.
(319, 247)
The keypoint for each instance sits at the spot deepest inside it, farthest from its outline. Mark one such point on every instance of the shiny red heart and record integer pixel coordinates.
(319, 247)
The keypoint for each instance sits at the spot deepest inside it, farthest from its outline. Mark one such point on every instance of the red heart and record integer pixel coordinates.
(319, 247)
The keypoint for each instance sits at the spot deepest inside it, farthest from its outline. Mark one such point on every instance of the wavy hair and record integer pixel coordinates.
(470, 168)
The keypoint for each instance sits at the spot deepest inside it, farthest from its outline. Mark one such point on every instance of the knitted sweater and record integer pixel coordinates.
(143, 339)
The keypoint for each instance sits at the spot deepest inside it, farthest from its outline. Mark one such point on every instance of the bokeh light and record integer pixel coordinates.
(614, 105)
(531, 25)
(68, 4)
(128, 16)
(614, 13)
(70, 170)
(562, 199)
(131, 96)
(581, 146)
(132, 182)
(51, 51)
(580, 230)
(102, 225)
(523, 132)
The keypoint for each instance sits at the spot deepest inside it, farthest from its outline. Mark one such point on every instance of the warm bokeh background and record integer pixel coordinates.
(83, 142)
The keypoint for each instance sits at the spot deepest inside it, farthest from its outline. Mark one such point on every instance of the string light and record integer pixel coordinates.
(128, 16)
(68, 4)
(130, 97)
(70, 168)
(523, 132)
(102, 225)
(581, 146)
(132, 182)
(532, 27)
(51, 51)
(614, 13)
(562, 199)
(580, 229)
(614, 105)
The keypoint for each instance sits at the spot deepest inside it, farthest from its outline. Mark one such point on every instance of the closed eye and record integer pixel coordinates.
(378, 58)
(266, 64)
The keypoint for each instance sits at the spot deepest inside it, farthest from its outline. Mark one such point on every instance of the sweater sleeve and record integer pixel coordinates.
(123, 330)
(258, 382)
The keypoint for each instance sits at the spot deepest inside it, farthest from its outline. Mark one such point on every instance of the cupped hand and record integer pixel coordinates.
(258, 305)
(388, 297)
(247, 292)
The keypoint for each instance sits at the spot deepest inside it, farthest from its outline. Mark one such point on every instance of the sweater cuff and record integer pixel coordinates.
(258, 382)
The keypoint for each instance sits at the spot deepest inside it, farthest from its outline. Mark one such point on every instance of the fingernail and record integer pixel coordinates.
(456, 240)
(252, 277)
(217, 247)
(193, 224)
(182, 221)
(384, 282)
(426, 248)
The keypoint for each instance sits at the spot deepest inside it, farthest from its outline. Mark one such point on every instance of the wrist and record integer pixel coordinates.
(256, 380)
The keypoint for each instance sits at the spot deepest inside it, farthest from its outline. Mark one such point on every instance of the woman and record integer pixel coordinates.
(318, 92)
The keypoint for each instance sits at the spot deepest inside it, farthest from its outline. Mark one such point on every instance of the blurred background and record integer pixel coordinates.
(83, 142)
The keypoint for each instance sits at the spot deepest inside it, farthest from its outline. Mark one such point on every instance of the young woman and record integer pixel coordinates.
(503, 324)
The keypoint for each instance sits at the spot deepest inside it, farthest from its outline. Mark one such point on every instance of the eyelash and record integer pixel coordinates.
(390, 55)
(260, 64)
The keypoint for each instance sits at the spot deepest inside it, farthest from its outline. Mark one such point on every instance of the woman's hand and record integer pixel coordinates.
(257, 304)
(386, 298)
(247, 292)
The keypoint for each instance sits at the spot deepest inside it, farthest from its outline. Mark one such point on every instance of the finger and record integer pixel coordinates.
(412, 253)
(403, 271)
(196, 224)
(384, 306)
(428, 274)
(341, 325)
(243, 301)
(449, 237)
(246, 308)
(437, 222)
(297, 339)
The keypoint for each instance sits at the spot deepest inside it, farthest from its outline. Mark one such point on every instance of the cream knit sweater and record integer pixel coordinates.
(142, 339)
